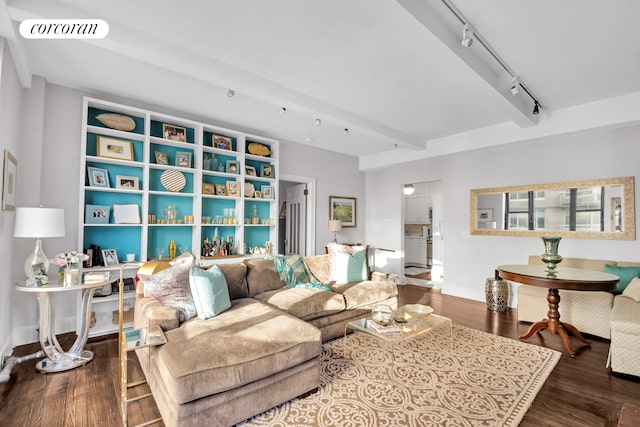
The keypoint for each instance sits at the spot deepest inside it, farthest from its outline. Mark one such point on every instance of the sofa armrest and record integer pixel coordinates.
(378, 276)
(150, 312)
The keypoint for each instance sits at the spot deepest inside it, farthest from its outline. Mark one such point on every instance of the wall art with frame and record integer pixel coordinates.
(343, 209)
(9, 182)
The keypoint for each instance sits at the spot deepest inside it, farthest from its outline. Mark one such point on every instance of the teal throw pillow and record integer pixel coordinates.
(350, 267)
(626, 274)
(209, 291)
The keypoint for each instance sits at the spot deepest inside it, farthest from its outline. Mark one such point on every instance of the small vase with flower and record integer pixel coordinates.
(69, 263)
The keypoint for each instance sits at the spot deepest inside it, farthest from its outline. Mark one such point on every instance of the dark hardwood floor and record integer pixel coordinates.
(580, 392)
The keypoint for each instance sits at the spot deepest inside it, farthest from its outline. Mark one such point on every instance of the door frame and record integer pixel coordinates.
(311, 208)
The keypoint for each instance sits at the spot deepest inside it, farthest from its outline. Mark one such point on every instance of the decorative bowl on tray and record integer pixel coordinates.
(417, 311)
(382, 314)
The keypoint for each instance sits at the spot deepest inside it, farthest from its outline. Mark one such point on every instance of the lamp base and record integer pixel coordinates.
(36, 266)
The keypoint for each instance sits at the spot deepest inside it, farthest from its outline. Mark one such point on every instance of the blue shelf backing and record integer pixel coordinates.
(124, 239)
(159, 237)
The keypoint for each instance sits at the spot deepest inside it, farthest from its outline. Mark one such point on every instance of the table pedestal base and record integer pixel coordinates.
(553, 324)
(561, 329)
(65, 362)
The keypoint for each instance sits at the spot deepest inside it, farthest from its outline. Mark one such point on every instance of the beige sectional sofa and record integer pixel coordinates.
(603, 314)
(261, 352)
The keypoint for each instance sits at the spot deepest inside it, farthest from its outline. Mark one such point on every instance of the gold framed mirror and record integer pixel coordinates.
(590, 209)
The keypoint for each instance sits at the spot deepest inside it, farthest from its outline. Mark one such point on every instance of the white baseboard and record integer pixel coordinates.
(29, 334)
(6, 349)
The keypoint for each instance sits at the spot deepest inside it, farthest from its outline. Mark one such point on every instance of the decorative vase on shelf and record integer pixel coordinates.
(550, 256)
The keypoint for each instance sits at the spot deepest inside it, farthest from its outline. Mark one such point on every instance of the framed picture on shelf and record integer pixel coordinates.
(267, 192)
(221, 190)
(208, 188)
(110, 257)
(9, 182)
(174, 133)
(233, 166)
(183, 159)
(96, 214)
(233, 188)
(126, 214)
(98, 177)
(343, 209)
(257, 195)
(266, 171)
(222, 142)
(113, 148)
(162, 158)
(127, 182)
(250, 171)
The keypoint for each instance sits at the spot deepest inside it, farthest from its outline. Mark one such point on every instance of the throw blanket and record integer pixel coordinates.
(295, 273)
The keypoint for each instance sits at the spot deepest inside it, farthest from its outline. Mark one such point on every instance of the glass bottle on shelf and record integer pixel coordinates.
(254, 218)
(172, 249)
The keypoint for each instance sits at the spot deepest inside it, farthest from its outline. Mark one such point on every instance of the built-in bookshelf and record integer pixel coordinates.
(148, 178)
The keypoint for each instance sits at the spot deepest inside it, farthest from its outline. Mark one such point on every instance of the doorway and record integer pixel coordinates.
(297, 231)
(423, 239)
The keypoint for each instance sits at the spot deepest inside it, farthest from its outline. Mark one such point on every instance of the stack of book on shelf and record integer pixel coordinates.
(383, 329)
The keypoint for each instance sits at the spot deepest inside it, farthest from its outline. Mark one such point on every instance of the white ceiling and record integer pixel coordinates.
(392, 72)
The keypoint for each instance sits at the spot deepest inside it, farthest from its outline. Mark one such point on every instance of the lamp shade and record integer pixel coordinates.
(335, 225)
(39, 222)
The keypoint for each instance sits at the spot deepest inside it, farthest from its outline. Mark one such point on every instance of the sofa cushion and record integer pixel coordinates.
(209, 291)
(304, 303)
(235, 274)
(624, 273)
(633, 289)
(244, 344)
(171, 288)
(261, 277)
(357, 294)
(347, 263)
(318, 266)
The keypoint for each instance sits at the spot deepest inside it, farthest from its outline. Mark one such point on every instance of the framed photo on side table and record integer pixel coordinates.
(98, 177)
(9, 182)
(114, 148)
(343, 209)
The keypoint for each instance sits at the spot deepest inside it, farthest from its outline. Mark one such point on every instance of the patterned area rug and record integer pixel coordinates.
(480, 380)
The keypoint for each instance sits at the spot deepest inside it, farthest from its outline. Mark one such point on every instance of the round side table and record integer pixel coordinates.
(57, 359)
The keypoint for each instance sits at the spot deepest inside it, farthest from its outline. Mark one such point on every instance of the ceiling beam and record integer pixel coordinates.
(214, 71)
(442, 23)
(14, 41)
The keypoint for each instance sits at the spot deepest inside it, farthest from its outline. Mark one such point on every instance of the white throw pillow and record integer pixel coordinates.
(633, 289)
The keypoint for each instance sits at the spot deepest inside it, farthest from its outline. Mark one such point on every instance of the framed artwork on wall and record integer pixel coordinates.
(9, 182)
(343, 209)
(113, 148)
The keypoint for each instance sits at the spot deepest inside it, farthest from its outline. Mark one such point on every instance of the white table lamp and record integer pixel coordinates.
(335, 225)
(39, 223)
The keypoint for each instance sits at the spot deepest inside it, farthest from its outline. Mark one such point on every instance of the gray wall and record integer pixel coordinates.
(469, 260)
(57, 112)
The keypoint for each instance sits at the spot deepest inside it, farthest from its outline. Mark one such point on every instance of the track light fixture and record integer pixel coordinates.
(283, 110)
(515, 89)
(536, 108)
(467, 36)
(231, 93)
(318, 122)
(346, 131)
